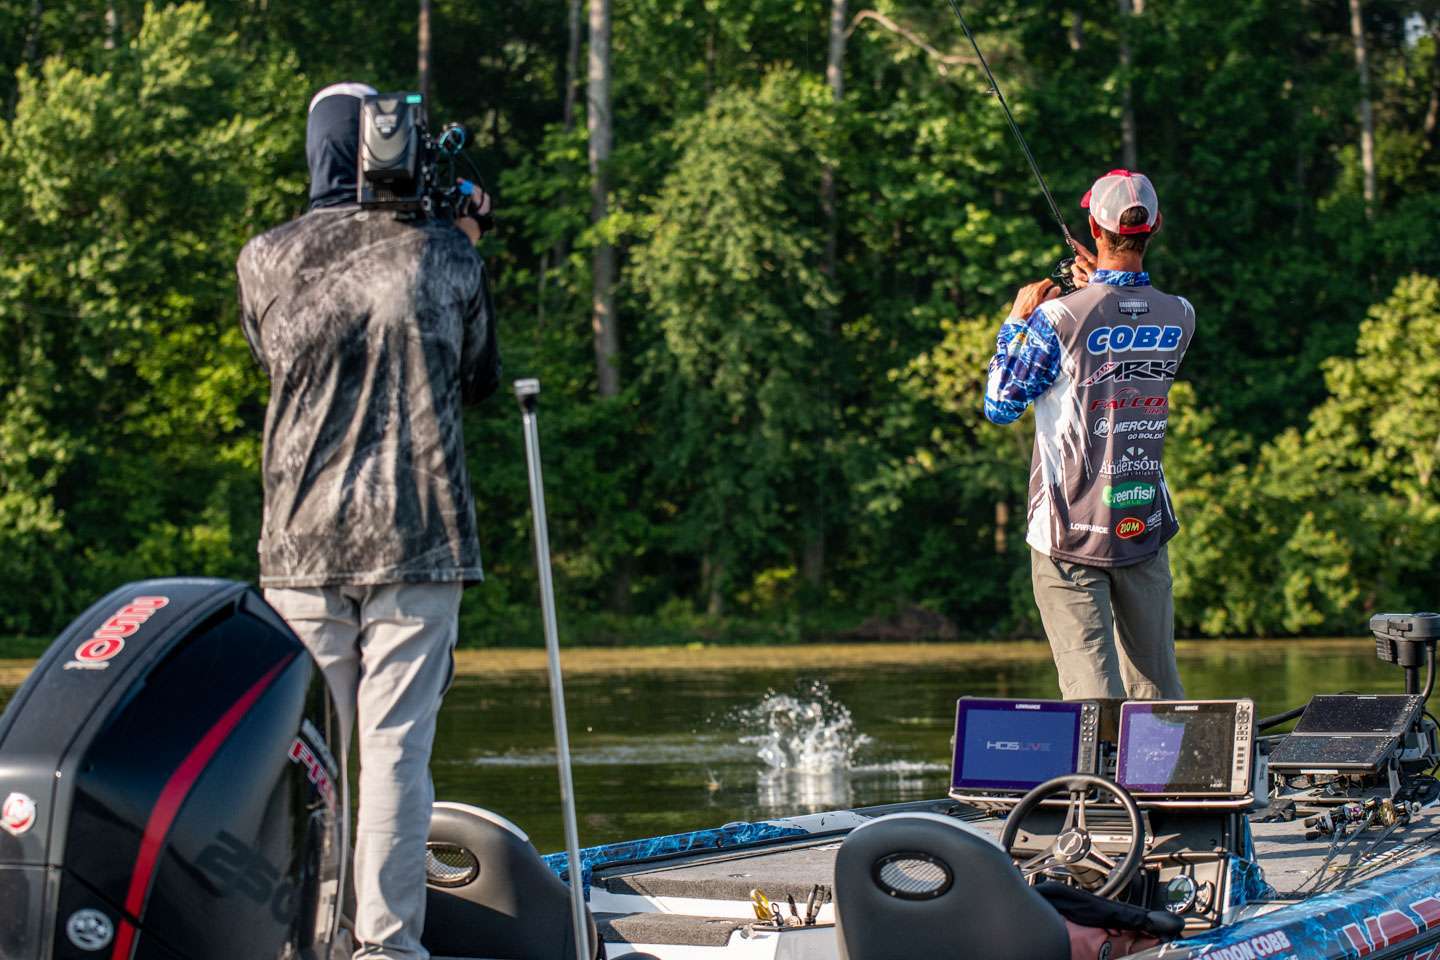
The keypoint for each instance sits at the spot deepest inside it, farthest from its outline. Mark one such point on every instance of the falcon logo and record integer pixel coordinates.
(1123, 371)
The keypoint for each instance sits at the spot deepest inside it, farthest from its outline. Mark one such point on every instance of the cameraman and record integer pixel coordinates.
(373, 330)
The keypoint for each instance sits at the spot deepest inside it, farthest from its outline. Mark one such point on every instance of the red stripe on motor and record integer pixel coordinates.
(172, 797)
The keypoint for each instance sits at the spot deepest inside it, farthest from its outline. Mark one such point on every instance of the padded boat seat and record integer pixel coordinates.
(926, 887)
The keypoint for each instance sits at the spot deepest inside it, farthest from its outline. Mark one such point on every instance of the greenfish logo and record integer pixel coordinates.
(1130, 495)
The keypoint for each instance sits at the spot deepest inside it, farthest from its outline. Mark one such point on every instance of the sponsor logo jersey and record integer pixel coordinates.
(1098, 365)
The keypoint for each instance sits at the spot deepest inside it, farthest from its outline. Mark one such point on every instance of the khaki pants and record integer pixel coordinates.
(386, 652)
(1111, 629)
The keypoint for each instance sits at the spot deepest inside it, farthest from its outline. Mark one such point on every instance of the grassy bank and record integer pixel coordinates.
(699, 657)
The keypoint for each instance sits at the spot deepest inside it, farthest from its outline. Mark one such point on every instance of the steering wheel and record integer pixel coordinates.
(1073, 848)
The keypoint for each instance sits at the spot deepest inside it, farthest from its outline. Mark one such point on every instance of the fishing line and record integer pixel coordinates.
(1015, 128)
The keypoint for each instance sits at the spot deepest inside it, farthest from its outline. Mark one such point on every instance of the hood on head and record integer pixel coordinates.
(332, 143)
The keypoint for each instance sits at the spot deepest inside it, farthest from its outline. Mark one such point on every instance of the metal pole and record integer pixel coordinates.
(528, 393)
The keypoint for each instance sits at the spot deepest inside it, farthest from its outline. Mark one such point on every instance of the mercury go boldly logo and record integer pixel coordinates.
(18, 814)
(109, 638)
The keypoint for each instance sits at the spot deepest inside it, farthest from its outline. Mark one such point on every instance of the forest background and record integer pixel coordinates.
(757, 252)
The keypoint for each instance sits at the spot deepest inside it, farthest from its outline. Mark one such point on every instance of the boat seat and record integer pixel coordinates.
(929, 887)
(488, 894)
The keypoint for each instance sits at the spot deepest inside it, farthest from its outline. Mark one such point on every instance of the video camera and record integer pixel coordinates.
(404, 168)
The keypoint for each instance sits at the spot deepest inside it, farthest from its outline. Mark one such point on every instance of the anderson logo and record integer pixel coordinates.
(1123, 371)
(1133, 494)
(1133, 460)
(18, 814)
(1129, 528)
(1147, 336)
(109, 638)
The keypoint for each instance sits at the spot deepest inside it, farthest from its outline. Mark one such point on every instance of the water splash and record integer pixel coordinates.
(809, 732)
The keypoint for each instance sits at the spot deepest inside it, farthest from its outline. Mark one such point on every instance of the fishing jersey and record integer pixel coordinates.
(1098, 365)
(373, 330)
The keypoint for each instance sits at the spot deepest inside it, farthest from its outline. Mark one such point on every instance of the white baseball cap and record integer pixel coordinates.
(1117, 192)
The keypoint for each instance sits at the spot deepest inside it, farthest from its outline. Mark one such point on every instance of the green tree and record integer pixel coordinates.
(132, 404)
(733, 274)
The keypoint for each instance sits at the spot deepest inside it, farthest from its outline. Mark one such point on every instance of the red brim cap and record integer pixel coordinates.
(1117, 192)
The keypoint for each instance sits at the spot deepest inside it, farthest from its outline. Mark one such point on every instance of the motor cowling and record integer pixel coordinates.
(170, 786)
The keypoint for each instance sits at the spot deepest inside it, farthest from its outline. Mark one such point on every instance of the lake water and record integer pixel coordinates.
(665, 750)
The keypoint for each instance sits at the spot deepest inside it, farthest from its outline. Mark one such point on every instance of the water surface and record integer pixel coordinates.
(662, 750)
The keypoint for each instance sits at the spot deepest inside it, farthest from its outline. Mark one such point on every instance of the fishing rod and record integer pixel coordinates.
(1062, 276)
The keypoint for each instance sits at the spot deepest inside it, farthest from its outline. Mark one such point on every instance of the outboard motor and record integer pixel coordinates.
(170, 788)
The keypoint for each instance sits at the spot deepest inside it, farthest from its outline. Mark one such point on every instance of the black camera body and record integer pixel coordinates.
(402, 167)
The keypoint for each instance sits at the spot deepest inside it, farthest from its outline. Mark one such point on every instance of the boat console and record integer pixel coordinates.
(1163, 832)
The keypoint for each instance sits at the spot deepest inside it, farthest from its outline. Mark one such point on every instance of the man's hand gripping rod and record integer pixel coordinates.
(1062, 275)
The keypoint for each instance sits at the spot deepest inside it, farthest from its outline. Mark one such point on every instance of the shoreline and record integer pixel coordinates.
(516, 661)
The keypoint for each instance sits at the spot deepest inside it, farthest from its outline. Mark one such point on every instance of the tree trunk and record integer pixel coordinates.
(1077, 30)
(1002, 526)
(1129, 149)
(602, 318)
(812, 561)
(572, 66)
(712, 573)
(112, 25)
(1367, 114)
(1432, 112)
(32, 35)
(423, 57)
(561, 250)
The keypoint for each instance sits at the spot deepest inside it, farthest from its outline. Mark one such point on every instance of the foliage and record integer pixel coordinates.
(776, 401)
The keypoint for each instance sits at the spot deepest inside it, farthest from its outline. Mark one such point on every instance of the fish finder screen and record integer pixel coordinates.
(1182, 748)
(1384, 713)
(1009, 745)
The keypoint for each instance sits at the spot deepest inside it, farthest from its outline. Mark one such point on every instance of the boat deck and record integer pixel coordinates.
(704, 899)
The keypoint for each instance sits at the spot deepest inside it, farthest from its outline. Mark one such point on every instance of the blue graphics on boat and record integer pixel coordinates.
(172, 790)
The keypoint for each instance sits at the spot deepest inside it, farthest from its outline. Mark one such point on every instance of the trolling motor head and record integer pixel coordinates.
(1409, 640)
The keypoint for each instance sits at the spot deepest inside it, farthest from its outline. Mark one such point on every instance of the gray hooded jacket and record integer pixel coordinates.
(373, 331)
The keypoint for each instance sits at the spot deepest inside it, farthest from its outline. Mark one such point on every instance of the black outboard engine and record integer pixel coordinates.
(170, 789)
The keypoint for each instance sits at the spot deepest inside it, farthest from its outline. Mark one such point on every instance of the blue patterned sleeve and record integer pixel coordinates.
(1026, 362)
